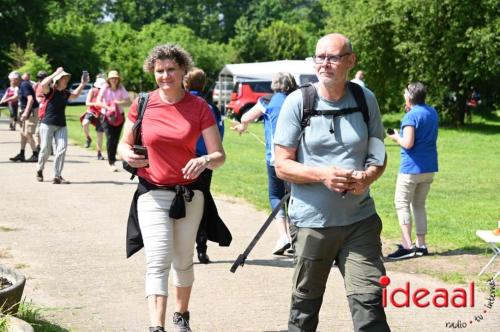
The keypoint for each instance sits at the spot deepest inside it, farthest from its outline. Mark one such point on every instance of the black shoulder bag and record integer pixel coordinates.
(136, 130)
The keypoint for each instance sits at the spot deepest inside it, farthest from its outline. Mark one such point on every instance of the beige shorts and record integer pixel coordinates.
(30, 124)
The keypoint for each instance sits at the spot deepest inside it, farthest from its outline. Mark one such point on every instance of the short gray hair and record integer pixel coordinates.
(283, 82)
(168, 52)
(14, 74)
(416, 93)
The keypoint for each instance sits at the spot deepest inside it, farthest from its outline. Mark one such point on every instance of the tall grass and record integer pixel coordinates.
(463, 198)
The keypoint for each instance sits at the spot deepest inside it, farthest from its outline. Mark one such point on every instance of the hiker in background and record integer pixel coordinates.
(169, 200)
(11, 99)
(55, 89)
(329, 164)
(473, 100)
(194, 82)
(282, 84)
(40, 98)
(92, 115)
(113, 97)
(28, 109)
(359, 78)
(419, 162)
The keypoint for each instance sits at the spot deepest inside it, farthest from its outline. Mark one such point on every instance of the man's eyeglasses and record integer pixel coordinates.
(319, 59)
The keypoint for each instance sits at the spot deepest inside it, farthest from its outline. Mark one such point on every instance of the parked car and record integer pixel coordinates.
(221, 93)
(83, 96)
(245, 95)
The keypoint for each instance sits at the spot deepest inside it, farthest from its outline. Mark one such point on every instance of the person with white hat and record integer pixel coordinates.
(112, 98)
(55, 89)
(92, 116)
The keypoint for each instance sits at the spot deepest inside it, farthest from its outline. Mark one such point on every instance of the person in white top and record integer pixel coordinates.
(359, 78)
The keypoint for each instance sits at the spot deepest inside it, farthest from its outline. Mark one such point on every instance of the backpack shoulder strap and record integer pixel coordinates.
(359, 96)
(141, 109)
(308, 99)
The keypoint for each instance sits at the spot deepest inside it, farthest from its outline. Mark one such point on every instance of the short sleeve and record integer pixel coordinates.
(288, 126)
(206, 116)
(132, 113)
(124, 93)
(408, 120)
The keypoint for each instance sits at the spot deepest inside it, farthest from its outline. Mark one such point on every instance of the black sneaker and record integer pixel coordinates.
(18, 157)
(87, 143)
(422, 251)
(203, 258)
(60, 180)
(402, 253)
(181, 322)
(99, 156)
(39, 176)
(33, 158)
(156, 329)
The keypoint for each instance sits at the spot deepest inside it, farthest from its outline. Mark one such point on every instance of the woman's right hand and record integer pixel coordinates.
(135, 160)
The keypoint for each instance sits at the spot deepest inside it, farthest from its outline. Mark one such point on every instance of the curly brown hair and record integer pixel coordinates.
(168, 52)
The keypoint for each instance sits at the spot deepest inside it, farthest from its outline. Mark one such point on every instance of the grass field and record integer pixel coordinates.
(464, 196)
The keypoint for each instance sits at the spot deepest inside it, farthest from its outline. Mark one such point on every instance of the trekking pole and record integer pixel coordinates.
(242, 257)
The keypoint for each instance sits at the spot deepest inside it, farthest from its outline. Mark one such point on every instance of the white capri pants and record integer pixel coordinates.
(168, 242)
(411, 191)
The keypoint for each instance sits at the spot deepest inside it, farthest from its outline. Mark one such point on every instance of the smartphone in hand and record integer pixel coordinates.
(390, 131)
(85, 75)
(140, 150)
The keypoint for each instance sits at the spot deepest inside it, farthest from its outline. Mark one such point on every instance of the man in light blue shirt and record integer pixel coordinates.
(331, 164)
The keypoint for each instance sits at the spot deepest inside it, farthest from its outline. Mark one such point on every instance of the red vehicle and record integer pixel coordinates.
(245, 95)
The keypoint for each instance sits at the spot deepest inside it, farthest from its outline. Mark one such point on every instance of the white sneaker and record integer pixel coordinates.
(282, 244)
(113, 168)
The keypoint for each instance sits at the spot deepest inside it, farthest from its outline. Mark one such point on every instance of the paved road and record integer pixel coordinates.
(69, 242)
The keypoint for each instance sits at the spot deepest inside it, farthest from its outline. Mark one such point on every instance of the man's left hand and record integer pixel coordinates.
(362, 183)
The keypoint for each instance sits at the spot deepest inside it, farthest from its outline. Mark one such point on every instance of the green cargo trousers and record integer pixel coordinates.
(357, 250)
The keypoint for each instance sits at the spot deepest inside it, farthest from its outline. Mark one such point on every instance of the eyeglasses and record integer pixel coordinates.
(319, 59)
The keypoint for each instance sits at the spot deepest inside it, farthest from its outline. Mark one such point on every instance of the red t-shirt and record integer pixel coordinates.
(170, 132)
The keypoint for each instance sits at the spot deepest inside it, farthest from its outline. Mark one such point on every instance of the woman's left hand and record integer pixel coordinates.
(394, 136)
(194, 168)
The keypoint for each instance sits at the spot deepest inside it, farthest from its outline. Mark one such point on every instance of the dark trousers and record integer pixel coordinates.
(357, 250)
(201, 236)
(112, 139)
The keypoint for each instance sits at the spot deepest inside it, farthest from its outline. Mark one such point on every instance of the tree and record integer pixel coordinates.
(282, 41)
(27, 61)
(440, 43)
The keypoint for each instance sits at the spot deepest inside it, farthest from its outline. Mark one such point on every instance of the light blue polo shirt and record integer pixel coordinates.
(313, 204)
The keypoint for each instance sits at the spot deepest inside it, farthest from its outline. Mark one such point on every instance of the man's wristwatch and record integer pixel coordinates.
(207, 159)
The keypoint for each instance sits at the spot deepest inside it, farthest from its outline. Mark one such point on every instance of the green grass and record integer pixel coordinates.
(464, 196)
(33, 315)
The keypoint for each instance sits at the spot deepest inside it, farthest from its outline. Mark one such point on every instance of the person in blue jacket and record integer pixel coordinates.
(194, 82)
(419, 162)
(282, 85)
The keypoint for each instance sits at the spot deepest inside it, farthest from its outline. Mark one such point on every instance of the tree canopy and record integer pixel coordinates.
(450, 45)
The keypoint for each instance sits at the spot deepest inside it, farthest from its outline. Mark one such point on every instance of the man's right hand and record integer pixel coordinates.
(338, 179)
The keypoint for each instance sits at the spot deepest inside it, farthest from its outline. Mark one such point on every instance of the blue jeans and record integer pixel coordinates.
(276, 190)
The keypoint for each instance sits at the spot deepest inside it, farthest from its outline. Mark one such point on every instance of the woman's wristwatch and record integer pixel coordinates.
(207, 159)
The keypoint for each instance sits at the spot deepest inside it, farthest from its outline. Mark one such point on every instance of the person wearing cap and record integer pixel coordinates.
(10, 98)
(29, 117)
(112, 95)
(93, 116)
(55, 89)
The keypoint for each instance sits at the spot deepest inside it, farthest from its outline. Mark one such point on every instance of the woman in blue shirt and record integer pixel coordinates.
(282, 84)
(419, 162)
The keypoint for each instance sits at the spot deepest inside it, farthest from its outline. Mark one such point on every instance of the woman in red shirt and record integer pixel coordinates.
(172, 123)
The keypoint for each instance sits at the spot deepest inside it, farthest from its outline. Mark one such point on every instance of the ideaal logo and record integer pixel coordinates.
(458, 297)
